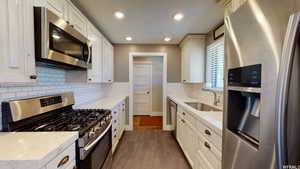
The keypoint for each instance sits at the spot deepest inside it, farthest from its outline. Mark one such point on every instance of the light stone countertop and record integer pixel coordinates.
(213, 120)
(105, 103)
(32, 150)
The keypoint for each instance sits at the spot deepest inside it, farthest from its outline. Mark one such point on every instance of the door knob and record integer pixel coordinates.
(148, 92)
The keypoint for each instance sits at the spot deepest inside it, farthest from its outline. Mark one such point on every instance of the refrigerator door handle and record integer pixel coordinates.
(283, 88)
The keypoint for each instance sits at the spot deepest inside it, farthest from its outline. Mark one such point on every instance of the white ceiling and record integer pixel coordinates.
(149, 21)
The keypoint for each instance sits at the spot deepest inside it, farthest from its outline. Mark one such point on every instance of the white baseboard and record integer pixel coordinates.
(156, 114)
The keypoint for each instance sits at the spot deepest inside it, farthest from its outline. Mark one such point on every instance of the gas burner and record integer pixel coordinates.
(73, 127)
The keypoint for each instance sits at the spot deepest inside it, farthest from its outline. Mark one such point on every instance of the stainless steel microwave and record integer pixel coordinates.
(57, 43)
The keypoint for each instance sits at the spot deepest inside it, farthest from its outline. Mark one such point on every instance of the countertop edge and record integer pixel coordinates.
(179, 101)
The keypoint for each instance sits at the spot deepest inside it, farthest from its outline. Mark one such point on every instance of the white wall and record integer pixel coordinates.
(52, 81)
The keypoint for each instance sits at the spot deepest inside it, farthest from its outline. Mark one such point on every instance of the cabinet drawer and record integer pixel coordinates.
(185, 115)
(210, 135)
(211, 153)
(202, 162)
(64, 159)
(72, 165)
(114, 113)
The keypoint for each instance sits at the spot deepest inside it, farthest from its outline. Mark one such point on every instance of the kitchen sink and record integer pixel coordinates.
(201, 106)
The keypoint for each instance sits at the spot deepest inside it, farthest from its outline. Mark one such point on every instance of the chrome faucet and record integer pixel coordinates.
(216, 98)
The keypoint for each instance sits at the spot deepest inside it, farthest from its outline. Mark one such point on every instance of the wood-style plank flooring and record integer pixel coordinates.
(153, 149)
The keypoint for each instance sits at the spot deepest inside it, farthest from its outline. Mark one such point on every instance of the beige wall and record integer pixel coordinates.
(210, 35)
(121, 60)
(157, 81)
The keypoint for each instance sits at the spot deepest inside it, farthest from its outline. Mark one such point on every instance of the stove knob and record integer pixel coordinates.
(92, 134)
(97, 129)
(103, 123)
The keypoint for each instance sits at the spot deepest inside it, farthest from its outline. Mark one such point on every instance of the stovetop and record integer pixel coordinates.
(71, 120)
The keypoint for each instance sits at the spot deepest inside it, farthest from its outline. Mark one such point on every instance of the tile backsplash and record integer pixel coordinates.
(51, 81)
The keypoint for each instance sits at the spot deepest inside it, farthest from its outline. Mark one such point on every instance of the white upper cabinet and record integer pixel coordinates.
(108, 62)
(76, 19)
(59, 7)
(17, 59)
(193, 59)
(95, 72)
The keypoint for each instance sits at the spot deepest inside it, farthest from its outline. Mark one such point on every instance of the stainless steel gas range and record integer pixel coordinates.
(55, 113)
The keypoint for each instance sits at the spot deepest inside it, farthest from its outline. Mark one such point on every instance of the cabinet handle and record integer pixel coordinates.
(115, 136)
(115, 129)
(115, 112)
(109, 80)
(207, 132)
(207, 145)
(33, 77)
(183, 113)
(90, 79)
(68, 22)
(182, 121)
(63, 161)
(72, 26)
(115, 121)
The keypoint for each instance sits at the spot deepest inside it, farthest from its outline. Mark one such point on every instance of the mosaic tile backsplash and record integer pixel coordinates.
(51, 81)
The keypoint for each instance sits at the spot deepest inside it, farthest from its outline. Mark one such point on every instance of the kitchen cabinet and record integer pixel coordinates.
(76, 19)
(59, 7)
(187, 135)
(200, 144)
(95, 72)
(17, 58)
(118, 123)
(193, 58)
(108, 59)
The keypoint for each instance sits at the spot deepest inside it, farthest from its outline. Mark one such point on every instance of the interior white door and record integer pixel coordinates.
(142, 88)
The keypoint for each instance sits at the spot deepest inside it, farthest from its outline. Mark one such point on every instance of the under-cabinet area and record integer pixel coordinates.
(122, 84)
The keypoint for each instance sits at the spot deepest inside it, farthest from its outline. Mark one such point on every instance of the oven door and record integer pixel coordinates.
(97, 155)
(58, 42)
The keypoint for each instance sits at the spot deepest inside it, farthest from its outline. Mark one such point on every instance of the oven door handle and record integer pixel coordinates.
(88, 147)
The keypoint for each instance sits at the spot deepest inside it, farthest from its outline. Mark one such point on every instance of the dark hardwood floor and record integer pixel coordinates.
(153, 149)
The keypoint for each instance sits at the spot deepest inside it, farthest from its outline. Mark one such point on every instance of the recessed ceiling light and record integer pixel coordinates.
(119, 15)
(167, 39)
(178, 16)
(128, 38)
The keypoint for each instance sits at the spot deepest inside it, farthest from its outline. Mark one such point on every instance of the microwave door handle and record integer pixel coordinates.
(89, 54)
(283, 88)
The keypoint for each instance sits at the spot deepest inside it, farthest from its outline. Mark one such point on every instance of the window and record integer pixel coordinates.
(215, 65)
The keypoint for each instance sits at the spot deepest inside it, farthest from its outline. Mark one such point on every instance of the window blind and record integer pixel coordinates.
(215, 65)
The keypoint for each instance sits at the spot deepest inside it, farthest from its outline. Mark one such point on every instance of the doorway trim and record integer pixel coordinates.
(147, 54)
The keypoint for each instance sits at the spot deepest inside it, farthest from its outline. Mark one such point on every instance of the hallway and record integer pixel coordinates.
(149, 150)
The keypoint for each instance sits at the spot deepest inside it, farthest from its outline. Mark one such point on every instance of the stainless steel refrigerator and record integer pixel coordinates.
(262, 86)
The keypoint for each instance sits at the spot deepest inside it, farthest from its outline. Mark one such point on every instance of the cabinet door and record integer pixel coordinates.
(95, 72)
(107, 62)
(179, 132)
(17, 60)
(190, 141)
(76, 19)
(58, 7)
(193, 59)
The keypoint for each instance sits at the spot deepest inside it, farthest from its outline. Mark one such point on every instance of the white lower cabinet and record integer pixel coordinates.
(118, 124)
(199, 143)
